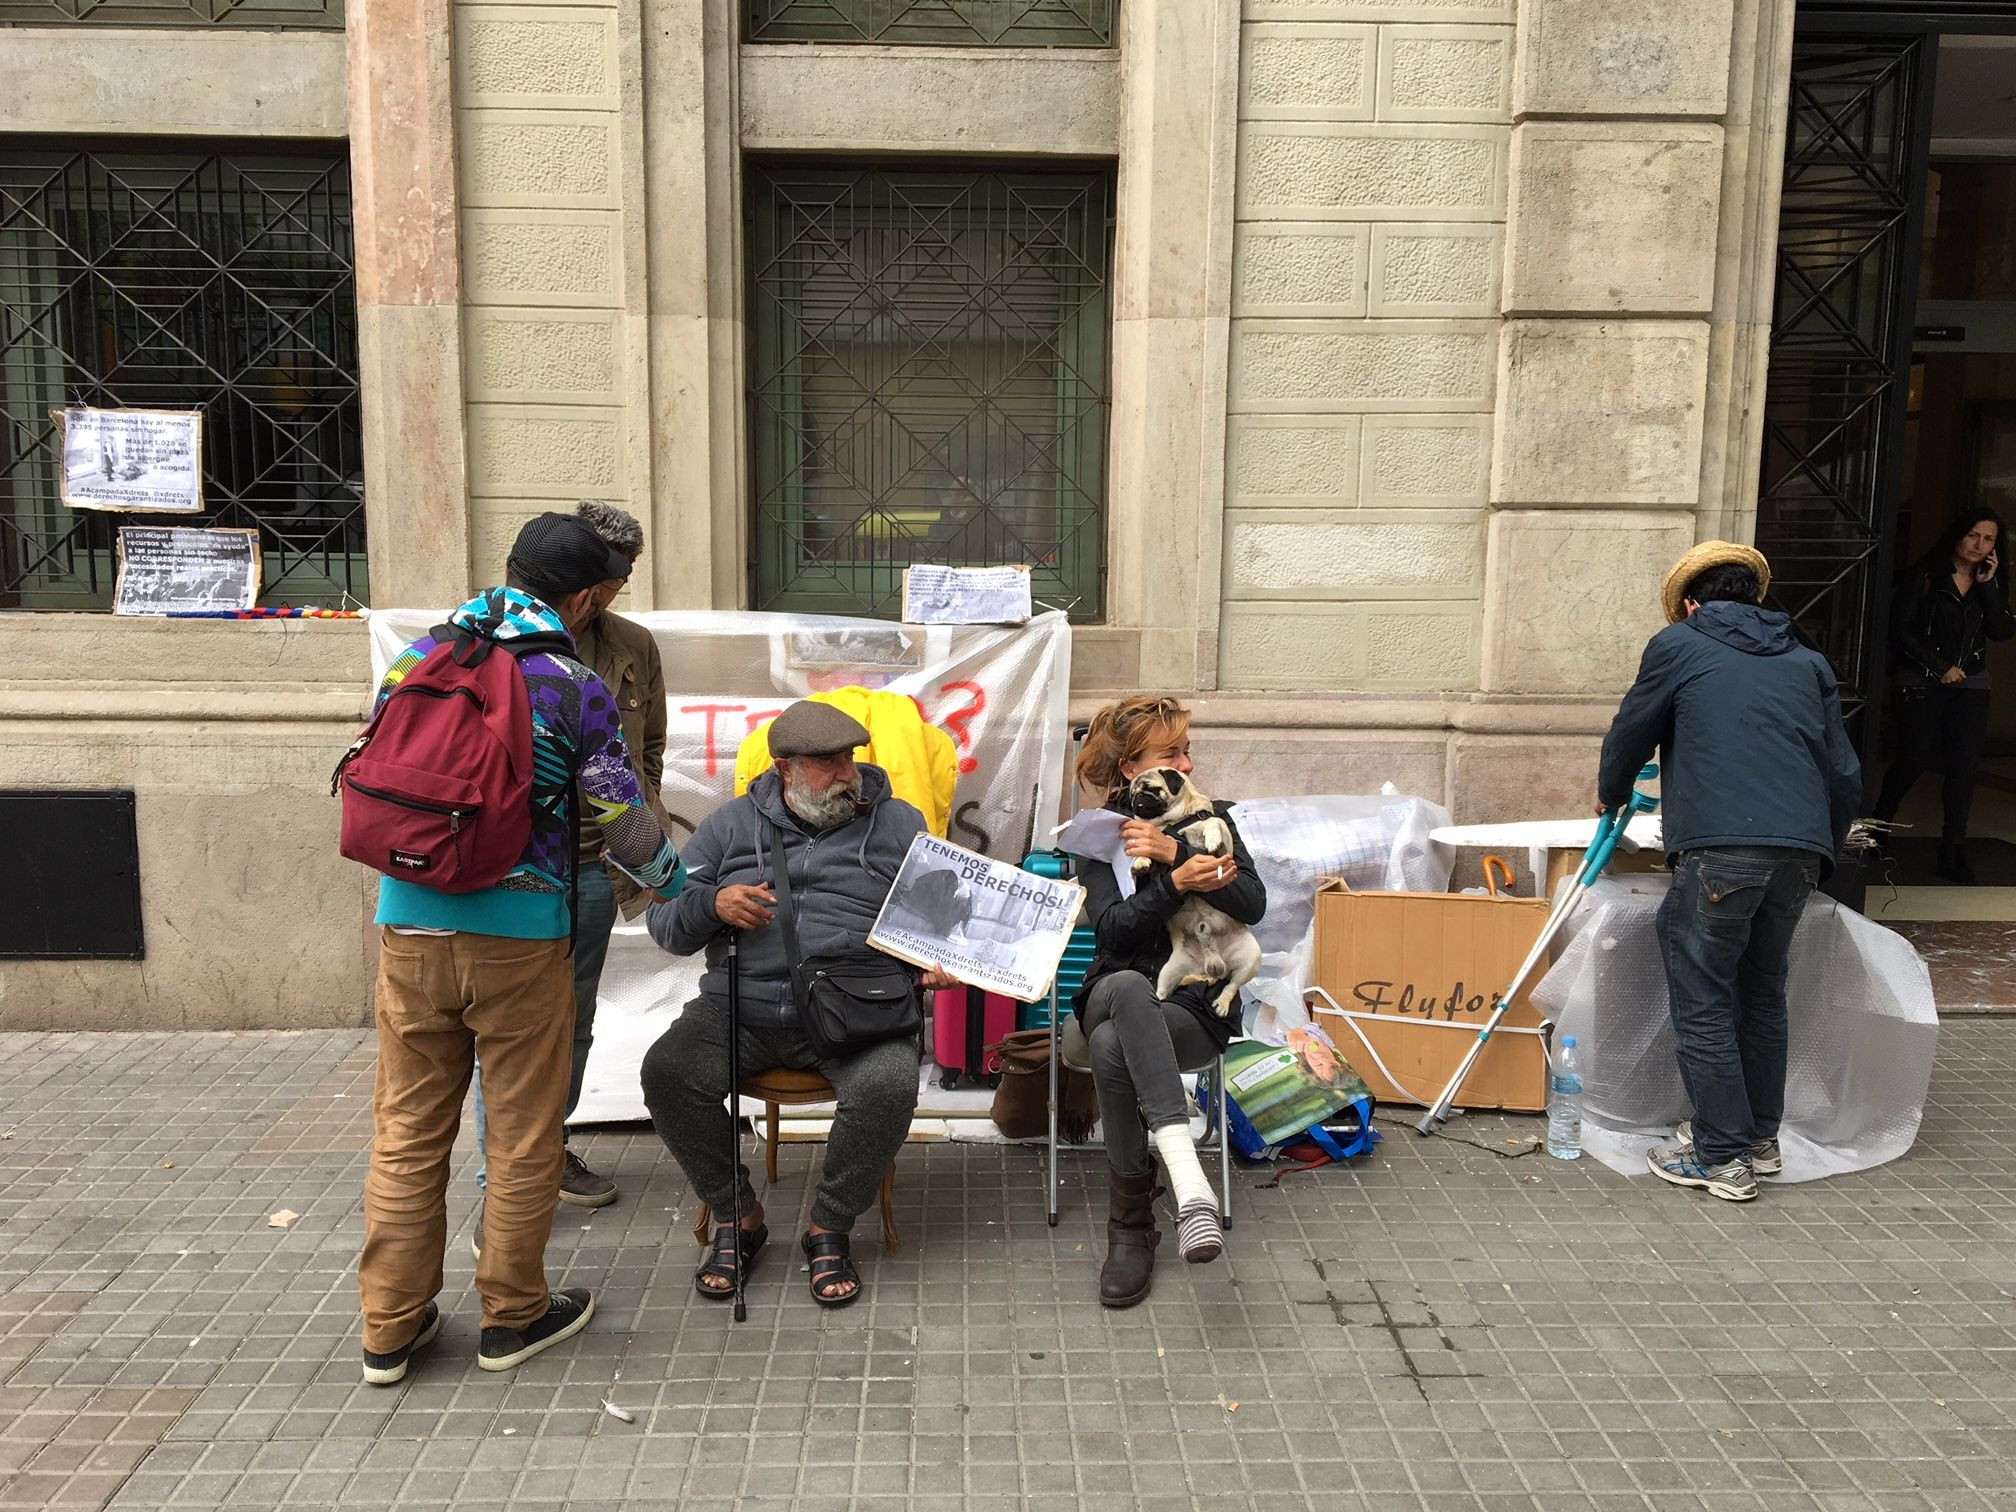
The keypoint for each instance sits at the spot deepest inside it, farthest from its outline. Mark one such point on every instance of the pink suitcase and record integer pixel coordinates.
(964, 1021)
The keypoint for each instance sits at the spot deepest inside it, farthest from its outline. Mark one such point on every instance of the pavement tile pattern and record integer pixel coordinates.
(1456, 1323)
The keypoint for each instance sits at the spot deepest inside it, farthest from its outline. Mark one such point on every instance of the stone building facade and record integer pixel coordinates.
(1437, 330)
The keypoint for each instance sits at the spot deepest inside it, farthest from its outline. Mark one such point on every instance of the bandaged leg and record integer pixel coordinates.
(1199, 1234)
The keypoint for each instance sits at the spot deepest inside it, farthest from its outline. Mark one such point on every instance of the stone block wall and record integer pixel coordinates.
(539, 92)
(1372, 170)
(1611, 285)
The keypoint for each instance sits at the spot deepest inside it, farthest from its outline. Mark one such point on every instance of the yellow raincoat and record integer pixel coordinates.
(922, 761)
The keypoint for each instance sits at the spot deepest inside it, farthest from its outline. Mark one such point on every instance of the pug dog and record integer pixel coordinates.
(1204, 944)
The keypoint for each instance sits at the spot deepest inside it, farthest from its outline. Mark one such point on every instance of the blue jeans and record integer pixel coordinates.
(591, 949)
(1725, 932)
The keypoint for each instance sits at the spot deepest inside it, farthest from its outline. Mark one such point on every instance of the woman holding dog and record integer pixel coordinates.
(1138, 1042)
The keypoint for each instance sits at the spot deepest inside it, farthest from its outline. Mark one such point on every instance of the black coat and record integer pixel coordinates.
(1747, 723)
(1133, 933)
(1937, 628)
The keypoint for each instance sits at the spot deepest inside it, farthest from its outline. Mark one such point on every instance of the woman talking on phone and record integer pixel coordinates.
(1138, 1042)
(1951, 604)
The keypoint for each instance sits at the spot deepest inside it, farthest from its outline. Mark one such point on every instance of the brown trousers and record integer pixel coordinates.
(443, 1000)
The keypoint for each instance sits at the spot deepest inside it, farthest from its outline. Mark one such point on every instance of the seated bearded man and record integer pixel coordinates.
(843, 836)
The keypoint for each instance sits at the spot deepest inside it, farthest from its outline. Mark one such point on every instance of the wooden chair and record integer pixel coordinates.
(784, 1088)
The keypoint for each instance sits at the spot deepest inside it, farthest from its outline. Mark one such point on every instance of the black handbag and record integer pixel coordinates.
(845, 1003)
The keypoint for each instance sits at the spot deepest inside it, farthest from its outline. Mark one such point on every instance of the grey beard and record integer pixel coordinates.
(825, 811)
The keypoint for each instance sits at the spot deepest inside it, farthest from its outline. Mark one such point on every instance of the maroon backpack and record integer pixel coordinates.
(438, 789)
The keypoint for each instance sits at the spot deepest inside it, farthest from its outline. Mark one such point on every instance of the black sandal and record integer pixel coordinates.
(721, 1260)
(830, 1263)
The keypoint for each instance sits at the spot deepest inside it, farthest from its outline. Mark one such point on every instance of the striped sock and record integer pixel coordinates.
(1199, 1234)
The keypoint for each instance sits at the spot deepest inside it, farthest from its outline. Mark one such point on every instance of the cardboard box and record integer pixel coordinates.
(1413, 976)
(1565, 863)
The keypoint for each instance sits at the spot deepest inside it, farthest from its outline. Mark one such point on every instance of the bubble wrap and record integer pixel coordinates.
(1863, 1032)
(1377, 842)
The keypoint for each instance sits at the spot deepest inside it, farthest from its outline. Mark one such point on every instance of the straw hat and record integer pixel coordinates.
(1699, 560)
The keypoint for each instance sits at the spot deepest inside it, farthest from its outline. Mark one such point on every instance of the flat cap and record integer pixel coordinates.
(810, 728)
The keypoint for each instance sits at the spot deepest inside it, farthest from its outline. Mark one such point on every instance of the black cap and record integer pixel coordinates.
(556, 555)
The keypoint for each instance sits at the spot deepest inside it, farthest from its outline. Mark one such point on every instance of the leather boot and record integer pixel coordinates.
(1131, 1238)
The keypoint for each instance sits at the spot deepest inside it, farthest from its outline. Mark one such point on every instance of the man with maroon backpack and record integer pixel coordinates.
(464, 792)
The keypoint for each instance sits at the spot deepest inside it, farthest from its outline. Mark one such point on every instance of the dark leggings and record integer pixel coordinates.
(1943, 728)
(1139, 1047)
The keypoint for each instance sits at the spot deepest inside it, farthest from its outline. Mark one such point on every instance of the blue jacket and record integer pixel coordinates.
(1748, 727)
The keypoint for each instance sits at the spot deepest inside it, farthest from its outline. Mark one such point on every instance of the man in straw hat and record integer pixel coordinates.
(1758, 787)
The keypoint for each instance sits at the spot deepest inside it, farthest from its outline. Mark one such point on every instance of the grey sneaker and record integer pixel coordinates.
(583, 1187)
(1734, 1182)
(1766, 1159)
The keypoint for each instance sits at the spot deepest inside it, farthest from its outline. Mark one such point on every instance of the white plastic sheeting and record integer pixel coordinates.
(1376, 843)
(1863, 1033)
(1001, 692)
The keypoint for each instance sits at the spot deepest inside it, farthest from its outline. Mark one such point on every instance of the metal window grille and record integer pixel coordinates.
(215, 281)
(277, 15)
(933, 23)
(1848, 247)
(928, 380)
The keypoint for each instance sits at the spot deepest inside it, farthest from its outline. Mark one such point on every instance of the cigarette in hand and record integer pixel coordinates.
(1221, 871)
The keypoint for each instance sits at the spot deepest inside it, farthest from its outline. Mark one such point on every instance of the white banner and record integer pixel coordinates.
(1001, 692)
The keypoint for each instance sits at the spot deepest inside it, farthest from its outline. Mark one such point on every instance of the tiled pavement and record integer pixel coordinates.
(1441, 1327)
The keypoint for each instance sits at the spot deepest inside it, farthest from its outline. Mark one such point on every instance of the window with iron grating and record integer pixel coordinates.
(928, 380)
(933, 23)
(217, 281)
(273, 15)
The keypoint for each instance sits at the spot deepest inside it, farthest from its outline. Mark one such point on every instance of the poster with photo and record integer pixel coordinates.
(175, 569)
(989, 923)
(934, 595)
(134, 461)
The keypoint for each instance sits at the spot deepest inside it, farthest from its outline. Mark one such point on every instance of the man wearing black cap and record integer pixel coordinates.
(488, 973)
(843, 837)
(625, 656)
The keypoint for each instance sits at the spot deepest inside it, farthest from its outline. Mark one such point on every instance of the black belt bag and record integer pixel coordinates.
(845, 1003)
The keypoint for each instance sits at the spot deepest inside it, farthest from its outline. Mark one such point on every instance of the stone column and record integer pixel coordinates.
(1171, 305)
(551, 260)
(1620, 169)
(690, 175)
(409, 288)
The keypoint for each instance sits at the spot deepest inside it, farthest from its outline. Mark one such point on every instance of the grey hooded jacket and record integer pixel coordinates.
(839, 880)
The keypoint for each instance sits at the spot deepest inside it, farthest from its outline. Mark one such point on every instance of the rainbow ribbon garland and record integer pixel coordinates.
(260, 614)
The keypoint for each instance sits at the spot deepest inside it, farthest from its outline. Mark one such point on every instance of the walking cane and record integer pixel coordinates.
(735, 1112)
(1609, 830)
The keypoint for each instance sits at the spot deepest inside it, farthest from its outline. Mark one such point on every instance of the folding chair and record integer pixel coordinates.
(1067, 1048)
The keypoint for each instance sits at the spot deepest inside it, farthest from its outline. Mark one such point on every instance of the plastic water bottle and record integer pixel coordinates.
(1564, 1103)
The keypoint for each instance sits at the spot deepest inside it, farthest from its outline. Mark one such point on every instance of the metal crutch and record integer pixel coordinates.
(735, 1112)
(1609, 830)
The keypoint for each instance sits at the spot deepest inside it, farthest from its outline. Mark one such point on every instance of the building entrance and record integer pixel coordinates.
(1891, 402)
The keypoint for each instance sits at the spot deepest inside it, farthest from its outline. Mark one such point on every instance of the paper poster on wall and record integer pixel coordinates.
(176, 569)
(934, 595)
(133, 461)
